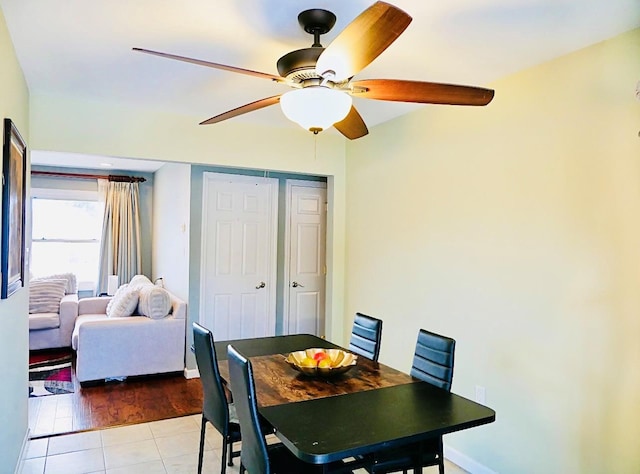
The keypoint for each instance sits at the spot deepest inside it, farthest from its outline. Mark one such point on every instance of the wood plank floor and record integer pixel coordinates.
(135, 400)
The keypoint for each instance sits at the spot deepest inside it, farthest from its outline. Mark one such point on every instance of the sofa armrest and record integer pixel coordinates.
(68, 315)
(178, 307)
(69, 309)
(95, 305)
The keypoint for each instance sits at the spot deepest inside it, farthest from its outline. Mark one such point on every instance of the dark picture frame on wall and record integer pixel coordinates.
(14, 165)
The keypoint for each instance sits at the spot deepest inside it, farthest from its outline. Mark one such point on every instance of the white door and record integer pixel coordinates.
(305, 270)
(238, 261)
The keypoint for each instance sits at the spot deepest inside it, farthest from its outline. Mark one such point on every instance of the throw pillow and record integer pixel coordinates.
(138, 281)
(123, 303)
(45, 295)
(154, 302)
(70, 278)
(113, 298)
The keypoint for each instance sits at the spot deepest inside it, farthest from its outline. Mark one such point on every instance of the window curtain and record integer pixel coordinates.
(120, 246)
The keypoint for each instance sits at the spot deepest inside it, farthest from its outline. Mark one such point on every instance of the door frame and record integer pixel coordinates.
(272, 246)
(287, 253)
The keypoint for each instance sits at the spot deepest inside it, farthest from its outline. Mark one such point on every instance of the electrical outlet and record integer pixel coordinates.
(481, 393)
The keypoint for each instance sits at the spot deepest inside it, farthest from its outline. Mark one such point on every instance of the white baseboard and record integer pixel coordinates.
(465, 462)
(23, 453)
(191, 373)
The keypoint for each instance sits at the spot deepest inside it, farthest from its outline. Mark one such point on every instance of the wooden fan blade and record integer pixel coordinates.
(368, 35)
(352, 126)
(257, 105)
(421, 92)
(224, 67)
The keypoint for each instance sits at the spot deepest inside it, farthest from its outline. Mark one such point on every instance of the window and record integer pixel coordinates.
(66, 231)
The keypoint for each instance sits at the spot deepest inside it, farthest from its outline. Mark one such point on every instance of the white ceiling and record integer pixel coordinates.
(83, 48)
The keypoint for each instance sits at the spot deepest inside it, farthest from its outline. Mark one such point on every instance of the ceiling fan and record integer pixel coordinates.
(322, 78)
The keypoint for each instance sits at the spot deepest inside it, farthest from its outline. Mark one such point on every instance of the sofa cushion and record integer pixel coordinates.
(44, 321)
(82, 319)
(45, 295)
(123, 303)
(154, 302)
(71, 286)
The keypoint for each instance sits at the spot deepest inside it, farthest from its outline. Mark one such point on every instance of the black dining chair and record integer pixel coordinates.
(366, 336)
(432, 363)
(258, 457)
(433, 359)
(215, 407)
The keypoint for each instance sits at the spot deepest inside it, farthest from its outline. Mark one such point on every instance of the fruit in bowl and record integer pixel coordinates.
(321, 362)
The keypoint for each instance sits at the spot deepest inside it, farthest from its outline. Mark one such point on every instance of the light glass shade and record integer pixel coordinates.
(315, 108)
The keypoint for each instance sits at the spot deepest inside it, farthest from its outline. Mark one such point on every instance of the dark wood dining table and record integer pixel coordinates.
(369, 408)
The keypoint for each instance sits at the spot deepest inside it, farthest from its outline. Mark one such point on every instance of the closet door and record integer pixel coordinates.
(238, 267)
(305, 260)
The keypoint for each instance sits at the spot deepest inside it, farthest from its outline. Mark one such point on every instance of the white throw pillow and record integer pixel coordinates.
(71, 285)
(154, 302)
(123, 303)
(113, 298)
(139, 281)
(45, 295)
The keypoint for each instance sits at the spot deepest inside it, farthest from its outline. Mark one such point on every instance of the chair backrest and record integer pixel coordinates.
(366, 336)
(254, 455)
(433, 359)
(215, 406)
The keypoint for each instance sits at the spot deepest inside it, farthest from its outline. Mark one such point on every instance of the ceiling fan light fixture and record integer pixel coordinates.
(315, 108)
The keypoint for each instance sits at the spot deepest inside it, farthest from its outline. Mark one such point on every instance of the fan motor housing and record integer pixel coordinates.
(300, 64)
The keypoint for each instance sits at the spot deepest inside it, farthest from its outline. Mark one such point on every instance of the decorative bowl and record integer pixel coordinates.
(308, 361)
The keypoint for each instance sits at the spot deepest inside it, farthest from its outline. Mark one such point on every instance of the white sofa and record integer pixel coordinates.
(118, 347)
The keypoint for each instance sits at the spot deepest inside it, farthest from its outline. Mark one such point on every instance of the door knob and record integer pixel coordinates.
(295, 284)
(261, 285)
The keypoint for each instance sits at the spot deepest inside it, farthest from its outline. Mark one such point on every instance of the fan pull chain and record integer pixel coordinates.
(315, 147)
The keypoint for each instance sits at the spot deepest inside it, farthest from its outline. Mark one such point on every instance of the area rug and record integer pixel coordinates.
(50, 373)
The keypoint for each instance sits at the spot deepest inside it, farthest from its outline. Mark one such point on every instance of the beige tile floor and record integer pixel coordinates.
(52, 414)
(160, 447)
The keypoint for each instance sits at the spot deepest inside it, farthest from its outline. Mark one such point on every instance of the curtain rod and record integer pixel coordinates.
(111, 177)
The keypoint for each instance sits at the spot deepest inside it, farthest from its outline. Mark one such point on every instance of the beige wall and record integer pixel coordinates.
(14, 343)
(170, 252)
(515, 229)
(79, 125)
